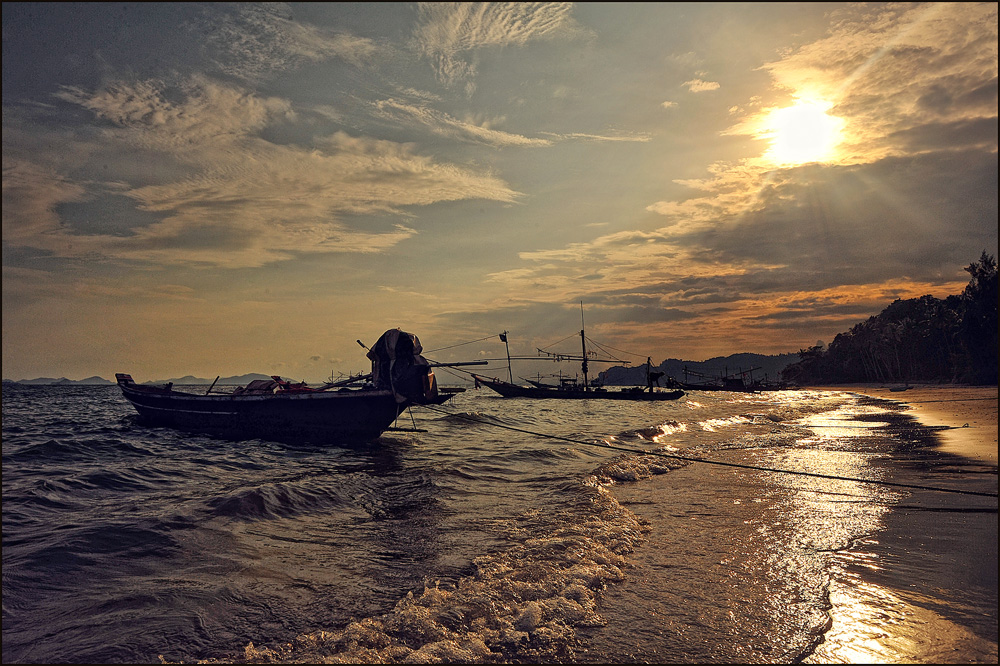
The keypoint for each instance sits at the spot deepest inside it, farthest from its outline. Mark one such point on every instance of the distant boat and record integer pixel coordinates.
(354, 410)
(568, 390)
(741, 381)
(508, 390)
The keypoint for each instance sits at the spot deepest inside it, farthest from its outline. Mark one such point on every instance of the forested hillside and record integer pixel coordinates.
(918, 339)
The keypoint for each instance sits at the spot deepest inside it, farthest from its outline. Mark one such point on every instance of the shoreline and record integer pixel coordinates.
(931, 550)
(963, 417)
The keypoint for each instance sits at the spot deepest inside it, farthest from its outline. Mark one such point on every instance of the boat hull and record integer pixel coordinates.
(508, 390)
(334, 416)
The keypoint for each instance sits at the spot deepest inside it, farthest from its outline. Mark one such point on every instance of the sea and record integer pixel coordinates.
(718, 528)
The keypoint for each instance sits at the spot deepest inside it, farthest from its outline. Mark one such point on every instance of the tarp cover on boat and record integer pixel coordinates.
(398, 366)
(257, 386)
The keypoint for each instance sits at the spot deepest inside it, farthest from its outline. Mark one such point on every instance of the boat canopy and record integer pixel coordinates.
(257, 387)
(398, 366)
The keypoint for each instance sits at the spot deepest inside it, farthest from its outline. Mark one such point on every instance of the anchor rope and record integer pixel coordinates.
(708, 461)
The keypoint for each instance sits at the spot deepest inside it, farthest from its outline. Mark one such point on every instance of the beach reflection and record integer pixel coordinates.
(850, 421)
(866, 620)
(866, 625)
(869, 623)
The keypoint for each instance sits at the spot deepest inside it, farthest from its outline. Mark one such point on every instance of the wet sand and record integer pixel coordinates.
(937, 552)
(969, 412)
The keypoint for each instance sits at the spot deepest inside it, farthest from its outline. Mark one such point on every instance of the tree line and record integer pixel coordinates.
(919, 339)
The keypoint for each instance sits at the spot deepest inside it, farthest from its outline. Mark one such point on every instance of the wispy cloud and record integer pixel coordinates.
(242, 200)
(31, 194)
(480, 131)
(448, 31)
(256, 40)
(180, 117)
(628, 137)
(697, 85)
(442, 124)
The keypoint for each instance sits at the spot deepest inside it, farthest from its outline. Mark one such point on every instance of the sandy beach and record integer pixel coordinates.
(967, 415)
(969, 412)
(937, 541)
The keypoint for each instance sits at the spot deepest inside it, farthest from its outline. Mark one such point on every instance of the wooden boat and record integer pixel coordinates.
(741, 382)
(355, 410)
(577, 391)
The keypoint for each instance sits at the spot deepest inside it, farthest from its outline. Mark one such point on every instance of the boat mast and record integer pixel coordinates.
(510, 374)
(583, 341)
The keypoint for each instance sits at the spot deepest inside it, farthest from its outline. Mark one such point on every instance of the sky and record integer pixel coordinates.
(217, 189)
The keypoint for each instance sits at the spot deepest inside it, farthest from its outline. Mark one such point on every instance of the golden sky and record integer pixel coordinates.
(228, 188)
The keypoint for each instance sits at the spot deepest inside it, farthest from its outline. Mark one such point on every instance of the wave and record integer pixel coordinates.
(73, 550)
(276, 500)
(525, 603)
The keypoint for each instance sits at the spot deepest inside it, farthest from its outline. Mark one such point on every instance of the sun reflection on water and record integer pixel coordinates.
(667, 429)
(869, 622)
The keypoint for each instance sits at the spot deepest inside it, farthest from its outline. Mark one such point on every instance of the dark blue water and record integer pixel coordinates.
(477, 541)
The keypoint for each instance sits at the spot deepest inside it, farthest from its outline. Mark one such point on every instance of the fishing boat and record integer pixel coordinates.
(357, 409)
(571, 390)
(740, 382)
(578, 392)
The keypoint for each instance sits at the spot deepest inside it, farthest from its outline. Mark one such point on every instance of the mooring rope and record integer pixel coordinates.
(708, 461)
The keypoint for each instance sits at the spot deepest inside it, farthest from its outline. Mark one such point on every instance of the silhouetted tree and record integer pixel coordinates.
(979, 325)
(918, 339)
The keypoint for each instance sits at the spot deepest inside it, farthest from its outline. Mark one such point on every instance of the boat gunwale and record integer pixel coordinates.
(172, 395)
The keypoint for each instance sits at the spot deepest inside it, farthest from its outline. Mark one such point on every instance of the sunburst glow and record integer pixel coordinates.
(802, 133)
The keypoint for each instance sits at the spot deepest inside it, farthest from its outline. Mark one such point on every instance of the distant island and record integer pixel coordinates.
(757, 367)
(187, 380)
(62, 381)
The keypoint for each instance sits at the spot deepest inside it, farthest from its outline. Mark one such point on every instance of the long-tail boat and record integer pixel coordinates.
(354, 410)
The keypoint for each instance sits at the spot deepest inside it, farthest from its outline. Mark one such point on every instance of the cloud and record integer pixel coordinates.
(955, 135)
(627, 137)
(225, 196)
(908, 82)
(893, 68)
(814, 246)
(448, 31)
(481, 132)
(697, 85)
(257, 40)
(179, 117)
(31, 194)
(442, 124)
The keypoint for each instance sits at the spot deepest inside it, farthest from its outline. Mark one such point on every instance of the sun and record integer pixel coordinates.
(802, 133)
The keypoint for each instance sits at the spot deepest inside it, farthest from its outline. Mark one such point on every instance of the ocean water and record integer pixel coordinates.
(506, 531)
